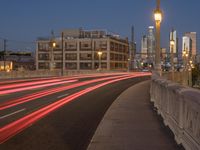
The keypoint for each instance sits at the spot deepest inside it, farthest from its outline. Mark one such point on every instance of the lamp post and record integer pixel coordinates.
(158, 20)
(185, 62)
(99, 55)
(129, 61)
(172, 57)
(52, 46)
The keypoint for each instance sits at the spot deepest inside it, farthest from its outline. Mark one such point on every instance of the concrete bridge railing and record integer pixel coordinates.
(47, 73)
(179, 107)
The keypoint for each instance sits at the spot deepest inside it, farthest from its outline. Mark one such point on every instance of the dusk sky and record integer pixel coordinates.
(22, 21)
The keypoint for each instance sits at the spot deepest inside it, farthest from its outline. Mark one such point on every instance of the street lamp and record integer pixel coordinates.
(63, 57)
(172, 43)
(129, 64)
(99, 55)
(52, 46)
(158, 20)
(187, 69)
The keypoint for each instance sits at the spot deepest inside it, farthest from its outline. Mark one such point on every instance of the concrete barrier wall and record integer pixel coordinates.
(179, 107)
(47, 73)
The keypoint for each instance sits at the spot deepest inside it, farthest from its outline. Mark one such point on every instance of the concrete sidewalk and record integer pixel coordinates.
(132, 124)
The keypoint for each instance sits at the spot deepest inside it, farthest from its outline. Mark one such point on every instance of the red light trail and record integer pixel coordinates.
(48, 92)
(19, 125)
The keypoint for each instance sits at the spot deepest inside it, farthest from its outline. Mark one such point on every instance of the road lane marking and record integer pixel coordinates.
(8, 115)
(63, 95)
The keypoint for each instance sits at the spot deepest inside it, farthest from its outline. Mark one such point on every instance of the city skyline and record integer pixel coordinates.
(24, 21)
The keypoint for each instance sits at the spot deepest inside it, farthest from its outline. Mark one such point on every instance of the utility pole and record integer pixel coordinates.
(4, 53)
(132, 50)
(63, 57)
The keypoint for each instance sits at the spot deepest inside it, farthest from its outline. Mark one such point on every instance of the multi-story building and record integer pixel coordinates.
(144, 47)
(187, 45)
(78, 50)
(18, 61)
(173, 36)
(193, 37)
(151, 42)
(148, 46)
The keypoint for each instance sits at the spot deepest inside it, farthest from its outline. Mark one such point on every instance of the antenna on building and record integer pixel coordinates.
(132, 34)
(52, 34)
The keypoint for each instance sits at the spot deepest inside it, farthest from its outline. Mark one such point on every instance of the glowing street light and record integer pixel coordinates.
(99, 55)
(158, 20)
(158, 15)
(52, 46)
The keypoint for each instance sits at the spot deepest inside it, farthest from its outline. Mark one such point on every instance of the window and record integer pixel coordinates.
(71, 56)
(70, 46)
(85, 65)
(43, 65)
(58, 65)
(112, 46)
(57, 56)
(86, 45)
(70, 66)
(85, 56)
(43, 46)
(101, 45)
(103, 56)
(43, 56)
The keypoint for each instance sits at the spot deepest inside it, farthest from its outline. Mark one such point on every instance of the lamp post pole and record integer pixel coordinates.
(185, 60)
(172, 57)
(4, 54)
(52, 46)
(62, 62)
(158, 19)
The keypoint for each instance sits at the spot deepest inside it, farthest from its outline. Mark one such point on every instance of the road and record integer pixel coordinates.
(57, 113)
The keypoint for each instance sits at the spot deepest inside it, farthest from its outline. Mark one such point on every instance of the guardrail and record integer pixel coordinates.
(179, 107)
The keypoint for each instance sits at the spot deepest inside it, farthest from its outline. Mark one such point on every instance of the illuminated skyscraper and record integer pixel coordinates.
(144, 47)
(187, 45)
(173, 36)
(151, 44)
(193, 37)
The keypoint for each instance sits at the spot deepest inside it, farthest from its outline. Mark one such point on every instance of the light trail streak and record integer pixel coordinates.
(49, 78)
(34, 87)
(19, 125)
(27, 84)
(26, 80)
(56, 79)
(50, 91)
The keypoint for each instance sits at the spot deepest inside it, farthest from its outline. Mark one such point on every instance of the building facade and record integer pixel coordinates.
(78, 50)
(148, 46)
(187, 45)
(193, 37)
(144, 47)
(173, 36)
(151, 41)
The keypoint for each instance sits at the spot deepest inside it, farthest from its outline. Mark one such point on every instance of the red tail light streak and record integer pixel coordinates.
(51, 91)
(17, 126)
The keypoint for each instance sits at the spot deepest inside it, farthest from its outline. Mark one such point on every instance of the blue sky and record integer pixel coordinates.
(25, 20)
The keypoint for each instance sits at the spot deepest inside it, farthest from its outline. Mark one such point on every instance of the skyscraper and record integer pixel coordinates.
(151, 45)
(144, 47)
(173, 36)
(187, 45)
(193, 37)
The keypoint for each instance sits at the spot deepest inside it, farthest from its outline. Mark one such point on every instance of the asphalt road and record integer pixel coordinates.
(71, 126)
